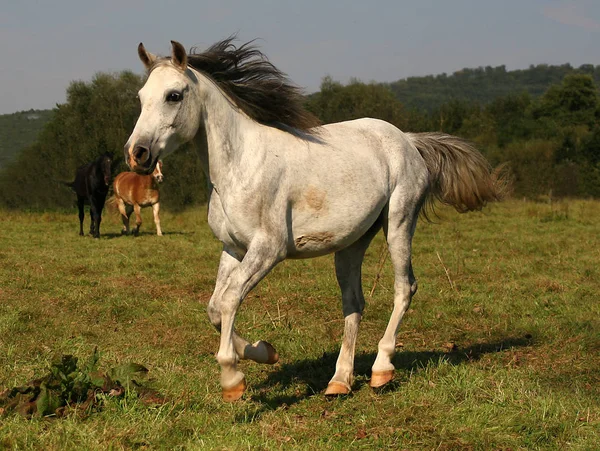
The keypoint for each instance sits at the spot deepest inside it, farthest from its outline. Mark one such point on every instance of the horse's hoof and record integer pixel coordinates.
(380, 378)
(234, 393)
(336, 388)
(272, 356)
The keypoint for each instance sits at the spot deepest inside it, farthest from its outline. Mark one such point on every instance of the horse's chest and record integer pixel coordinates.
(227, 225)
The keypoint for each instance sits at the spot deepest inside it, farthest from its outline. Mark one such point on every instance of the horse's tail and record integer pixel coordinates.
(459, 175)
(111, 206)
(67, 184)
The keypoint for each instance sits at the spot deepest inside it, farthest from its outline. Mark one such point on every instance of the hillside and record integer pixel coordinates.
(19, 130)
(482, 85)
(427, 93)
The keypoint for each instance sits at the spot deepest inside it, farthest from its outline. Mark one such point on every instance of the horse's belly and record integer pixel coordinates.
(320, 236)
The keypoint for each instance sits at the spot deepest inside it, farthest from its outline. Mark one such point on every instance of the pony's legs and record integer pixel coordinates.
(399, 229)
(155, 210)
(260, 258)
(124, 215)
(80, 206)
(97, 208)
(261, 351)
(348, 263)
(94, 217)
(138, 218)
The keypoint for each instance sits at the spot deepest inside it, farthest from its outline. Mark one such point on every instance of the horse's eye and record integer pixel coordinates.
(174, 96)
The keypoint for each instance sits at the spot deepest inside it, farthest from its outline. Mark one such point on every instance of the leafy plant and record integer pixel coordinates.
(68, 384)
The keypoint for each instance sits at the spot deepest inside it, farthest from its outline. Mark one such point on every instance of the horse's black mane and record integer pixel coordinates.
(257, 87)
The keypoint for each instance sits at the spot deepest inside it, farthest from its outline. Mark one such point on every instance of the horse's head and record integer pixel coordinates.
(170, 109)
(157, 174)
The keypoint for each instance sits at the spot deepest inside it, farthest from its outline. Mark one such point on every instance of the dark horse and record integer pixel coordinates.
(91, 185)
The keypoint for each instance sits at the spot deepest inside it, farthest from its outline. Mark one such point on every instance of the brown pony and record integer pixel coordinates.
(133, 191)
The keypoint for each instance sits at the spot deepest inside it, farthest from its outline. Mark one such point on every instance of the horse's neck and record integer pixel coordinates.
(222, 135)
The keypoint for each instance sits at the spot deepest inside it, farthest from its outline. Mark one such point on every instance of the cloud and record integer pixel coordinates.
(571, 13)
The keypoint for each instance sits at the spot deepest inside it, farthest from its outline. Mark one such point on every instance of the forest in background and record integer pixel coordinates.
(19, 130)
(547, 131)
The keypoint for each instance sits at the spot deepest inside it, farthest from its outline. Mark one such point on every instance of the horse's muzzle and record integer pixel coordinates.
(139, 159)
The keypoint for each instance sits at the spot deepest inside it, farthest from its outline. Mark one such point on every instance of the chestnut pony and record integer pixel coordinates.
(282, 186)
(133, 191)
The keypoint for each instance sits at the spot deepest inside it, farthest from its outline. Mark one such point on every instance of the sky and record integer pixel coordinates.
(44, 45)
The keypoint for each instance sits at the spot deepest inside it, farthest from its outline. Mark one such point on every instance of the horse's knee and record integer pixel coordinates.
(214, 315)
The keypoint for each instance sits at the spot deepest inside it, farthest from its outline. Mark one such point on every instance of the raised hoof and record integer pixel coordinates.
(337, 389)
(380, 378)
(272, 356)
(234, 393)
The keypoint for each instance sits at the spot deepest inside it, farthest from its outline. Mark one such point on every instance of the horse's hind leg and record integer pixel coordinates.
(93, 214)
(124, 215)
(261, 351)
(399, 229)
(155, 210)
(348, 263)
(80, 206)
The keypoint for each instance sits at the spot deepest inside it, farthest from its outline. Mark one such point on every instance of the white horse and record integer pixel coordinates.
(284, 187)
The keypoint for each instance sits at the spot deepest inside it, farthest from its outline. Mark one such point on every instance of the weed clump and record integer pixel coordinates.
(69, 387)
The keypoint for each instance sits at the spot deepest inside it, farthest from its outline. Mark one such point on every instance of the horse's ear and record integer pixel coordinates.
(178, 55)
(145, 56)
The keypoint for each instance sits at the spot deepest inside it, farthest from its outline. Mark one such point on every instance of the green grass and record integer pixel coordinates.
(500, 349)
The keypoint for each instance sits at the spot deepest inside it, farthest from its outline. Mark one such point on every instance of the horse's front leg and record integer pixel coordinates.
(138, 218)
(260, 258)
(260, 351)
(155, 210)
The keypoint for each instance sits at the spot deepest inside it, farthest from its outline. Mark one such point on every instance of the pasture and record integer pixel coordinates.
(500, 349)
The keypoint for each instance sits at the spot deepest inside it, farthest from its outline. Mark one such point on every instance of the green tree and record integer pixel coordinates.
(98, 116)
(574, 102)
(336, 102)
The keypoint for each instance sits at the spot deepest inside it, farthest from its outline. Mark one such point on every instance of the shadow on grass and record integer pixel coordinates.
(315, 373)
(111, 235)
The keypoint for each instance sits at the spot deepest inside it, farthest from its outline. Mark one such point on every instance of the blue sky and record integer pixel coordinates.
(45, 45)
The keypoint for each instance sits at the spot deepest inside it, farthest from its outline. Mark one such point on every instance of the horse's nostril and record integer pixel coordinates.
(141, 154)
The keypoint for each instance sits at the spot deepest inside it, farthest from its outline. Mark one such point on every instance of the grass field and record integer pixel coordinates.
(500, 349)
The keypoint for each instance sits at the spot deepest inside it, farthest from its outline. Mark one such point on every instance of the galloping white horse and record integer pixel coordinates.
(284, 187)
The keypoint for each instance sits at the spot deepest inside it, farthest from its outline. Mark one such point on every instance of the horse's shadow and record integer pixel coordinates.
(113, 235)
(314, 374)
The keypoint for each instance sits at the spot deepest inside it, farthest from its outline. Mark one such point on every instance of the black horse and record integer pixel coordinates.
(91, 185)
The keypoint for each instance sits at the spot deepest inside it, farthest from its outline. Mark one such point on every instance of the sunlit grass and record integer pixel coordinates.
(499, 350)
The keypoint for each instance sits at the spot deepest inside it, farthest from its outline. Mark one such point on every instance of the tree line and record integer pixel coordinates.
(97, 116)
(551, 142)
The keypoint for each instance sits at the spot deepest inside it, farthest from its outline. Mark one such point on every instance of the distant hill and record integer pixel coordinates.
(18, 130)
(483, 84)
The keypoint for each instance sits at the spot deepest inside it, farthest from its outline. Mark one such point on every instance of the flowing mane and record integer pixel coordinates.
(255, 85)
